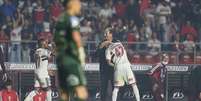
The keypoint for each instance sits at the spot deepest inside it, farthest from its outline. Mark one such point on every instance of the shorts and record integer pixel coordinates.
(123, 75)
(70, 73)
(43, 82)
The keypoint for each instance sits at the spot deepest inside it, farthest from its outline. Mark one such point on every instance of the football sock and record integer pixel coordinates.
(136, 92)
(114, 94)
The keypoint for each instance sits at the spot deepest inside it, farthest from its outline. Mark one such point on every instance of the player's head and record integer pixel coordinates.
(8, 85)
(72, 6)
(165, 59)
(43, 43)
(108, 34)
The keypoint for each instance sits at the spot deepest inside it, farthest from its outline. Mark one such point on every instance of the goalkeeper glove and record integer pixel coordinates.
(81, 56)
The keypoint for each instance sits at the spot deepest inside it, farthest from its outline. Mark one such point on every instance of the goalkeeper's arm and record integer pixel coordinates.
(77, 39)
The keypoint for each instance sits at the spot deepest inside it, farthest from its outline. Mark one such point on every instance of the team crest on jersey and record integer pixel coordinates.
(74, 21)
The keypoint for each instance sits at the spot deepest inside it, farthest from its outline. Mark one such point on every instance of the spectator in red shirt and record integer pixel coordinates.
(188, 29)
(9, 94)
(3, 36)
(120, 8)
(39, 17)
(144, 4)
(55, 10)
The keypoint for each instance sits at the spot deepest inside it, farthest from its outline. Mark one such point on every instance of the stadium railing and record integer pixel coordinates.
(138, 52)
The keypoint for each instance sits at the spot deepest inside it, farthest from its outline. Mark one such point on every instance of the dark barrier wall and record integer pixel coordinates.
(177, 83)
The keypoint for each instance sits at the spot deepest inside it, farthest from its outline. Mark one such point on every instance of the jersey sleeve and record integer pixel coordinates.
(107, 54)
(30, 96)
(155, 68)
(75, 24)
(49, 53)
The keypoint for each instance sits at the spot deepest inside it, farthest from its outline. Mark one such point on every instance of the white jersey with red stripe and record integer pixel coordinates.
(122, 72)
(117, 54)
(42, 56)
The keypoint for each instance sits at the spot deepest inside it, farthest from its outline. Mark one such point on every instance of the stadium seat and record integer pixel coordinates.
(149, 59)
(173, 58)
(198, 59)
(186, 59)
(136, 59)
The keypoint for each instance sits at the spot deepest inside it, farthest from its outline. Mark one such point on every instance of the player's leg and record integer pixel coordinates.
(115, 93)
(47, 88)
(156, 91)
(118, 82)
(136, 91)
(130, 79)
(72, 79)
(104, 84)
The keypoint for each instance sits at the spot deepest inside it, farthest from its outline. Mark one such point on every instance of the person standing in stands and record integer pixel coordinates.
(106, 71)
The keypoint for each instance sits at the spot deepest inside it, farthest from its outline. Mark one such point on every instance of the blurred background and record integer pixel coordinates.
(147, 28)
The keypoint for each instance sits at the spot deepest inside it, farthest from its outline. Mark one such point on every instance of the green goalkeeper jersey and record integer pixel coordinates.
(69, 66)
(64, 29)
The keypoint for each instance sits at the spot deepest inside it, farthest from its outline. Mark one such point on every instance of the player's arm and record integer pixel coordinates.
(3, 65)
(154, 69)
(30, 96)
(2, 61)
(77, 39)
(109, 57)
(37, 58)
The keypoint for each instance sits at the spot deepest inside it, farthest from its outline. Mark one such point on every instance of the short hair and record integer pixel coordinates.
(164, 56)
(108, 30)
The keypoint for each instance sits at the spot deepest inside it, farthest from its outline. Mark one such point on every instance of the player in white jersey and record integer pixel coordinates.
(42, 78)
(117, 57)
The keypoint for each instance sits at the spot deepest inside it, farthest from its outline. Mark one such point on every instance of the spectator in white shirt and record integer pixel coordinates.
(163, 11)
(154, 45)
(189, 44)
(86, 30)
(107, 11)
(15, 38)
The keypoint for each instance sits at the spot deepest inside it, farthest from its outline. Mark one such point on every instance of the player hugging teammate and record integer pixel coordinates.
(116, 56)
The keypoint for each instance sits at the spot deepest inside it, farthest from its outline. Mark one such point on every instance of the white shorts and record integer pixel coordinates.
(123, 74)
(43, 82)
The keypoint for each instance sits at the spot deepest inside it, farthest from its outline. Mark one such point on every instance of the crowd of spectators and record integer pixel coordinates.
(150, 23)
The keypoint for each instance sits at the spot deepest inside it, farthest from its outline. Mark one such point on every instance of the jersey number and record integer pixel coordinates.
(119, 51)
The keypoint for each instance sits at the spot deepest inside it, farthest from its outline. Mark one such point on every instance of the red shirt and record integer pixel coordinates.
(131, 37)
(9, 95)
(120, 9)
(56, 10)
(41, 96)
(39, 14)
(144, 5)
(188, 30)
(159, 72)
(3, 38)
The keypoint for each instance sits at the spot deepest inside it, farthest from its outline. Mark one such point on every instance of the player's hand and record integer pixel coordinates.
(81, 56)
(81, 92)
(5, 77)
(105, 44)
(149, 73)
